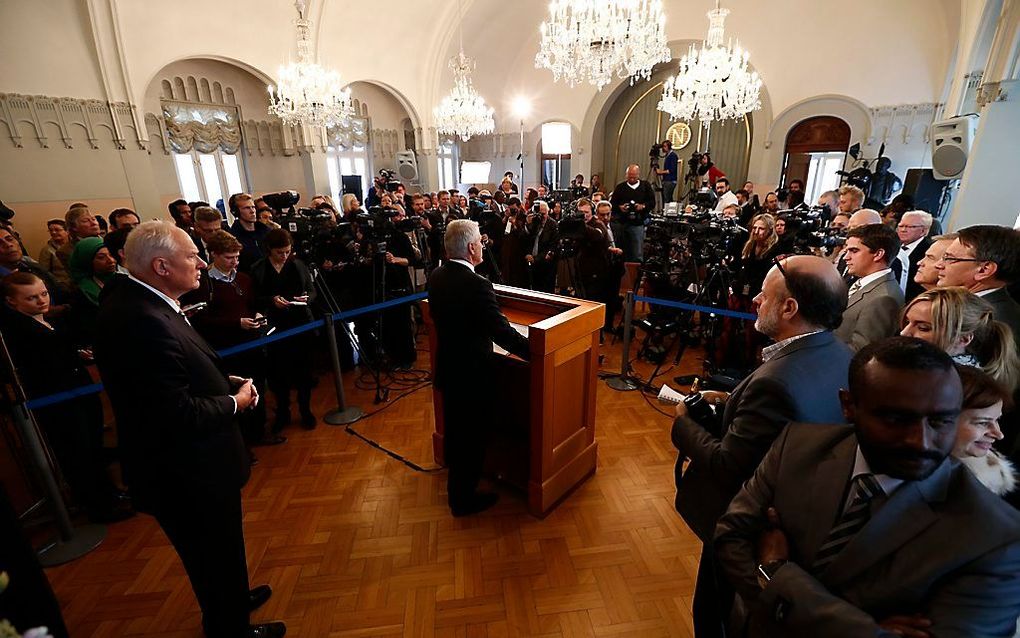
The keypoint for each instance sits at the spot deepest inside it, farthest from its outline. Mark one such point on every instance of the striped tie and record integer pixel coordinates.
(854, 518)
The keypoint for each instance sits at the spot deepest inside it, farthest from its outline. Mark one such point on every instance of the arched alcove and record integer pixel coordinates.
(811, 145)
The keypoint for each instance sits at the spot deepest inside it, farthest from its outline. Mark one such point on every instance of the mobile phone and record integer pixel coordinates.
(195, 307)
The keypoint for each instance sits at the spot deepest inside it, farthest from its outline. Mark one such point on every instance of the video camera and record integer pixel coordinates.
(282, 201)
(388, 179)
(317, 238)
(808, 228)
(571, 232)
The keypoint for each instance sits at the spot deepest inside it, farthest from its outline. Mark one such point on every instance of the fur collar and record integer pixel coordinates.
(994, 471)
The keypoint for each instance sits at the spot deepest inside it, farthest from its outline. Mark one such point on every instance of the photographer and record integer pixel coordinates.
(592, 254)
(395, 325)
(541, 257)
(633, 200)
(668, 172)
(515, 245)
(614, 303)
(438, 218)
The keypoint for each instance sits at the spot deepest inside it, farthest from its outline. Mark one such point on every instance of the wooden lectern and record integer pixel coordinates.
(543, 415)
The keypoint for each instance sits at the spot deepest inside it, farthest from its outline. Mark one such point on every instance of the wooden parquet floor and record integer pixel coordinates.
(355, 543)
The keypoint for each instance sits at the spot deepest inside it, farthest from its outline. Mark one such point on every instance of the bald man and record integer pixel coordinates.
(633, 200)
(801, 302)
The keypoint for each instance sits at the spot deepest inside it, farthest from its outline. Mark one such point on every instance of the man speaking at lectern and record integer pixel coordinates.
(467, 320)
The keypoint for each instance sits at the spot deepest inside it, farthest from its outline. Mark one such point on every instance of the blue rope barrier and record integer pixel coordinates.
(60, 397)
(357, 312)
(686, 306)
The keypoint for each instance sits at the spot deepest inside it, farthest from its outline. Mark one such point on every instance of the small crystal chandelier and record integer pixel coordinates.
(463, 112)
(713, 83)
(308, 93)
(593, 40)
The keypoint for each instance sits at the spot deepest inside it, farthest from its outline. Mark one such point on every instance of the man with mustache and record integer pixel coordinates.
(871, 530)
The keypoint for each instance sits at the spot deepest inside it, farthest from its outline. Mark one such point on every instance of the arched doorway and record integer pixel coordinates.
(815, 149)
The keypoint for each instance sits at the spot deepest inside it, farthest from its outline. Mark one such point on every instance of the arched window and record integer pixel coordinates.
(815, 150)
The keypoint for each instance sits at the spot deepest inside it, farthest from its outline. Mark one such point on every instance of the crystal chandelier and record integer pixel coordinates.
(713, 83)
(308, 93)
(593, 40)
(463, 112)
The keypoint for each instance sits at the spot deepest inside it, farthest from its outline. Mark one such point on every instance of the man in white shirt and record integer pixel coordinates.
(875, 299)
(725, 195)
(913, 233)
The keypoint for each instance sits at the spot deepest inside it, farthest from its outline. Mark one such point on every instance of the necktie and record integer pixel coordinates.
(854, 518)
(854, 287)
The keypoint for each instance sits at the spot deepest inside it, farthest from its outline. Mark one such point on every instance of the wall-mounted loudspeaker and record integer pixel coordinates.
(407, 166)
(951, 140)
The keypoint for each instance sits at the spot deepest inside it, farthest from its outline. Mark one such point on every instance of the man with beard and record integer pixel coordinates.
(872, 530)
(801, 301)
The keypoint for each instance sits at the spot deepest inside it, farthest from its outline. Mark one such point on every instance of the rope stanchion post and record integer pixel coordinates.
(343, 414)
(623, 382)
(72, 542)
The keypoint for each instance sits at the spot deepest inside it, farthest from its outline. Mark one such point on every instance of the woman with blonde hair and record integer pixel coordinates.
(740, 342)
(963, 324)
(349, 205)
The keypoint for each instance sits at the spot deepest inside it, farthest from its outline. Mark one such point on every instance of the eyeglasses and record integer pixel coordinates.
(906, 226)
(949, 259)
(778, 261)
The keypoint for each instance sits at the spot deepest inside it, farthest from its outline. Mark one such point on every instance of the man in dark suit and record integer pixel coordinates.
(633, 200)
(914, 241)
(467, 320)
(207, 221)
(874, 530)
(542, 240)
(875, 298)
(181, 450)
(985, 260)
(801, 301)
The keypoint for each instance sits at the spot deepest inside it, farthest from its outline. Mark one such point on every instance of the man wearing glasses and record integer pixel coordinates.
(984, 260)
(913, 233)
(801, 301)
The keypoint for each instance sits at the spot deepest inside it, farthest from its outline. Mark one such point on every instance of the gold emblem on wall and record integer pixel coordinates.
(679, 135)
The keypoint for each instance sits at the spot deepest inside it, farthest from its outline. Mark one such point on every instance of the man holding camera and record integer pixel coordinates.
(437, 219)
(800, 303)
(668, 172)
(541, 258)
(632, 202)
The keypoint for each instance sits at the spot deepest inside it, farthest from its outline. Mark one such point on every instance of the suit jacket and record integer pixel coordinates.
(944, 547)
(756, 412)
(1006, 310)
(467, 320)
(914, 259)
(872, 314)
(175, 416)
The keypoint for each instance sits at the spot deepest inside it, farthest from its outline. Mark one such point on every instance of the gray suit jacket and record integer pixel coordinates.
(872, 313)
(800, 383)
(944, 547)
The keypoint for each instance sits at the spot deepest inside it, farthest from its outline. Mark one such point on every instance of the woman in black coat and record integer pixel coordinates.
(283, 292)
(48, 362)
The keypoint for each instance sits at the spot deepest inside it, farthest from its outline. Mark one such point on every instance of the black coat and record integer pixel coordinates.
(916, 255)
(467, 321)
(623, 194)
(800, 383)
(172, 401)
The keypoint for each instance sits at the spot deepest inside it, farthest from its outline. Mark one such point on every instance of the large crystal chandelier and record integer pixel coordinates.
(713, 82)
(463, 112)
(593, 40)
(308, 93)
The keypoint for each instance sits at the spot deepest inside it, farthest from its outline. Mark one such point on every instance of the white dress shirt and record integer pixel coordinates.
(725, 200)
(465, 262)
(864, 281)
(904, 258)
